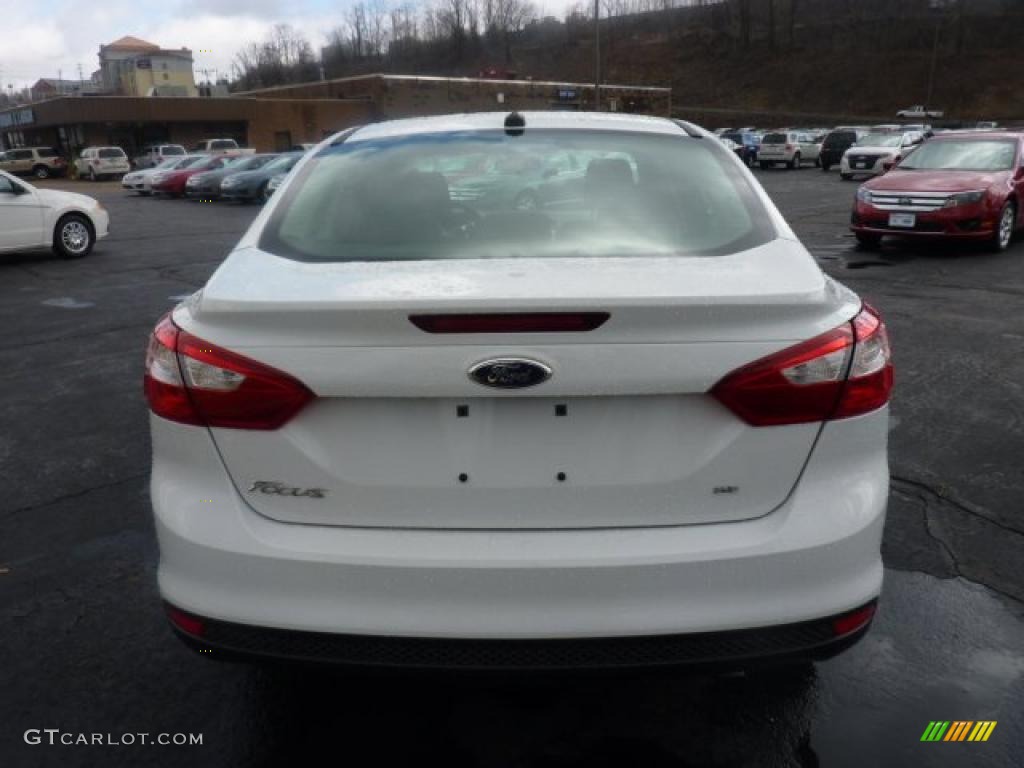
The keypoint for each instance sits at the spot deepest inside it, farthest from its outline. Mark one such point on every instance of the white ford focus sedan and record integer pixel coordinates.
(520, 390)
(32, 218)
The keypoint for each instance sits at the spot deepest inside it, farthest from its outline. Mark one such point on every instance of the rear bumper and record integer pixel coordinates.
(815, 556)
(811, 640)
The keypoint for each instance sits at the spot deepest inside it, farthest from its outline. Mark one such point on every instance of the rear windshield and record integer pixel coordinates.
(774, 138)
(840, 137)
(46, 152)
(962, 156)
(172, 149)
(111, 152)
(546, 194)
(223, 144)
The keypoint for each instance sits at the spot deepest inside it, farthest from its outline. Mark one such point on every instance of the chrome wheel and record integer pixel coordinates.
(74, 235)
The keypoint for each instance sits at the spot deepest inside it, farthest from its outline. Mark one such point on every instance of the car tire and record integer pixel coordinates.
(526, 201)
(73, 237)
(265, 193)
(41, 172)
(764, 165)
(1005, 226)
(845, 176)
(825, 167)
(794, 164)
(868, 242)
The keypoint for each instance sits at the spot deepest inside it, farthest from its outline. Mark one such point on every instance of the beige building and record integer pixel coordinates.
(134, 67)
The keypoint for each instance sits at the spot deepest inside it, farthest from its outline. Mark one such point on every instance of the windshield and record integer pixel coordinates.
(283, 163)
(189, 162)
(881, 140)
(962, 156)
(547, 194)
(172, 163)
(173, 149)
(223, 144)
(111, 152)
(774, 138)
(837, 139)
(252, 163)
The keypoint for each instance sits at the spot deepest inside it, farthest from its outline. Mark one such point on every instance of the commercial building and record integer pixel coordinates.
(274, 119)
(70, 124)
(133, 67)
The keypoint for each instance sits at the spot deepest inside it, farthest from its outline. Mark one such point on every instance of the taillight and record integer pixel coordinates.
(192, 381)
(789, 147)
(842, 373)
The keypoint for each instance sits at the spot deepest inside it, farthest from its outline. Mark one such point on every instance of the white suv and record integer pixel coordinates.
(395, 428)
(96, 163)
(790, 148)
(875, 153)
(154, 155)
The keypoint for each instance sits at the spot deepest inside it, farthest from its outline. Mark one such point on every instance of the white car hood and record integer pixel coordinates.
(56, 199)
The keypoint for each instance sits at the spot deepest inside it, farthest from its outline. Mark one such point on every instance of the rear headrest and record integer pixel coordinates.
(405, 208)
(610, 171)
(608, 182)
(416, 193)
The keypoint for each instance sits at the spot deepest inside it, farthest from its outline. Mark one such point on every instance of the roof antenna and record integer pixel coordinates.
(515, 124)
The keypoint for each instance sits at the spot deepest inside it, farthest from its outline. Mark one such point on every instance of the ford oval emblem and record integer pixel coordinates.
(509, 373)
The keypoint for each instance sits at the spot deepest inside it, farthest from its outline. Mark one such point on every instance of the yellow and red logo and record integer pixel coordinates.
(958, 730)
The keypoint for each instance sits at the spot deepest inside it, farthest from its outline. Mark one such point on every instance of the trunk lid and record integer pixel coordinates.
(621, 434)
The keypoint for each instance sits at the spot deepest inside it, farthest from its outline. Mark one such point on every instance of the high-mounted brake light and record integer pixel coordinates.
(842, 373)
(511, 322)
(192, 381)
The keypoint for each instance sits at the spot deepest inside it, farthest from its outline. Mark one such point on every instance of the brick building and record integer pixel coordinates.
(274, 119)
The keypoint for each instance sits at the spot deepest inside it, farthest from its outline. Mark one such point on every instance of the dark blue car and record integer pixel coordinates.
(747, 145)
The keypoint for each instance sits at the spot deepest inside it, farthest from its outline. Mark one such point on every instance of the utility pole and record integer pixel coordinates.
(597, 55)
(935, 54)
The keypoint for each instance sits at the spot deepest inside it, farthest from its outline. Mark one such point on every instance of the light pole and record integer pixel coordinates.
(936, 7)
(597, 55)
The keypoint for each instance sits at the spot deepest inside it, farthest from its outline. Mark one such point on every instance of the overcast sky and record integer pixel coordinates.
(43, 38)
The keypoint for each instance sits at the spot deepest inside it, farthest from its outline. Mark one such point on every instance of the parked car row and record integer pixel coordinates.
(212, 177)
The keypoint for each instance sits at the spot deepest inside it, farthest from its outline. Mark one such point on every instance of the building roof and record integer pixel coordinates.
(430, 78)
(55, 83)
(129, 43)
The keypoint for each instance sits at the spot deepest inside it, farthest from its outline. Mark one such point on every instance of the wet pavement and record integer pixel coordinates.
(84, 647)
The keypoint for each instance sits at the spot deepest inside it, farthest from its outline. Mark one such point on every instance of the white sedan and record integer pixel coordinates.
(636, 427)
(38, 218)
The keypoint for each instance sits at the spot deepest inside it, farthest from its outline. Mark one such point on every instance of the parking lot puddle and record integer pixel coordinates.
(66, 302)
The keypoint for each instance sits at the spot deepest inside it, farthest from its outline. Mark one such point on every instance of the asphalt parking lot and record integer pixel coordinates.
(85, 646)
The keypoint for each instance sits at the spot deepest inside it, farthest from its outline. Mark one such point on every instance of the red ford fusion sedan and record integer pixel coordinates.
(964, 186)
(172, 182)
